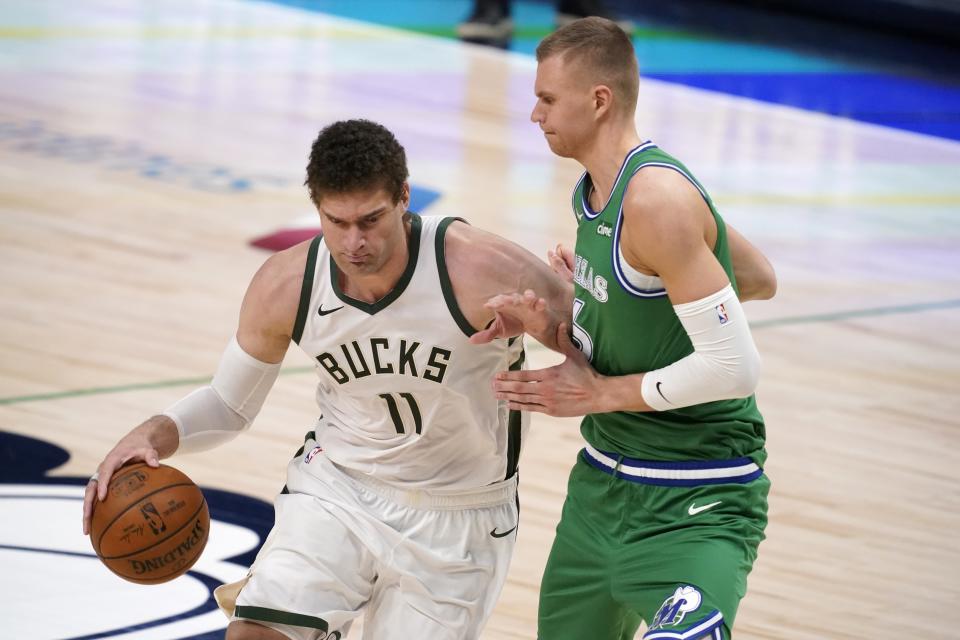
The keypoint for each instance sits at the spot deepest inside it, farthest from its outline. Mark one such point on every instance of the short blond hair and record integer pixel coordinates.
(602, 49)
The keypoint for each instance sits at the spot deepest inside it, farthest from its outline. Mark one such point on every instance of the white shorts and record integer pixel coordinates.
(417, 564)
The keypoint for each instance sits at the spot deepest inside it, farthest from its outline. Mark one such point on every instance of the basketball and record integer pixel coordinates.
(152, 526)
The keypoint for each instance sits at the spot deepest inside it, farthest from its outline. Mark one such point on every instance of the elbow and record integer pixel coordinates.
(748, 376)
(760, 285)
(768, 284)
(770, 287)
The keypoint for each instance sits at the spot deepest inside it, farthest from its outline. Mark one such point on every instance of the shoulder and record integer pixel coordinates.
(660, 200)
(283, 271)
(481, 265)
(468, 247)
(483, 260)
(274, 292)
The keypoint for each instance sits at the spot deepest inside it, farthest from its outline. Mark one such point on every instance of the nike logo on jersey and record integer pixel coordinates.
(497, 534)
(323, 313)
(694, 510)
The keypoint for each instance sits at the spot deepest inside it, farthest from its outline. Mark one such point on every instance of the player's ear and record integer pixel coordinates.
(405, 196)
(602, 99)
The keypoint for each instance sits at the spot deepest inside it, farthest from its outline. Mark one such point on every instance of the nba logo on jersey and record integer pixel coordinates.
(313, 453)
(722, 314)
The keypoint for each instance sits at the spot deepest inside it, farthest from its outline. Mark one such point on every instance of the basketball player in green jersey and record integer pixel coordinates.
(667, 502)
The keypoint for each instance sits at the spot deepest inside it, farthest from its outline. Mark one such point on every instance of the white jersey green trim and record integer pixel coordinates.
(405, 396)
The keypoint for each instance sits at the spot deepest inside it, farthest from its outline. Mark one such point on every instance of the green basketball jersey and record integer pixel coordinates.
(624, 322)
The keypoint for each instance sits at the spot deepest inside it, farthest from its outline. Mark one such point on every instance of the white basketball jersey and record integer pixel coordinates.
(404, 396)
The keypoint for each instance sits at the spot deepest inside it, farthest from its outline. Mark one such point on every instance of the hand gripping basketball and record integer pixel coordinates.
(153, 524)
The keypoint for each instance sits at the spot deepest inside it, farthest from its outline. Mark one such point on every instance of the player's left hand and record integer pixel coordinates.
(561, 261)
(514, 313)
(568, 389)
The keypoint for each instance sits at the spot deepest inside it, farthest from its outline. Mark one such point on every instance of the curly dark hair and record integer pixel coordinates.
(356, 155)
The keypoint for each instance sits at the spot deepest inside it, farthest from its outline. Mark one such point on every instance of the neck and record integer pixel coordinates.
(604, 156)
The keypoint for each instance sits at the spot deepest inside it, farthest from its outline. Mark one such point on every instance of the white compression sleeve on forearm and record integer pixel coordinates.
(216, 413)
(724, 364)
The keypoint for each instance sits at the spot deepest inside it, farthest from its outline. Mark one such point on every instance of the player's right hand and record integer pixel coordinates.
(132, 447)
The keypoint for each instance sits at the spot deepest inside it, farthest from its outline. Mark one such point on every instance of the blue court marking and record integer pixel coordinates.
(764, 72)
(694, 55)
(35, 137)
(904, 103)
(10, 496)
(27, 460)
(403, 14)
(209, 605)
(421, 198)
(72, 554)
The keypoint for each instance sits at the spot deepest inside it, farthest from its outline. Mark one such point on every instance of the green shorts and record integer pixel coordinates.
(670, 544)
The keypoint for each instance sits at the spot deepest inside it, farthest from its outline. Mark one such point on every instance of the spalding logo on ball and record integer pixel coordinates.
(152, 526)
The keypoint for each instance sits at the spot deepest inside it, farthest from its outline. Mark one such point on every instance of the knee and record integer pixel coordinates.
(243, 630)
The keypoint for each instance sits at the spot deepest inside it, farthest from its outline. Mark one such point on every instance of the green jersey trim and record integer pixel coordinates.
(633, 327)
(514, 424)
(413, 246)
(615, 258)
(585, 184)
(446, 286)
(311, 435)
(682, 473)
(306, 289)
(264, 614)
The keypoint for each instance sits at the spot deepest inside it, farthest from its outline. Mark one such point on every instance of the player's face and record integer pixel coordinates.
(364, 230)
(565, 107)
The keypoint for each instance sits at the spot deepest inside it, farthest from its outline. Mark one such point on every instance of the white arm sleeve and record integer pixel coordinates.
(216, 413)
(724, 364)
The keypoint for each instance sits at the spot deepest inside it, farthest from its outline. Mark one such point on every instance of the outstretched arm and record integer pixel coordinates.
(218, 411)
(756, 279)
(503, 289)
(665, 232)
(527, 312)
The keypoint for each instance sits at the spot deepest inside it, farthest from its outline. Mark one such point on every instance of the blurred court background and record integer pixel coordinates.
(152, 154)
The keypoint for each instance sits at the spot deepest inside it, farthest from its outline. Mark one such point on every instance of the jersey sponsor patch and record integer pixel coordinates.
(686, 599)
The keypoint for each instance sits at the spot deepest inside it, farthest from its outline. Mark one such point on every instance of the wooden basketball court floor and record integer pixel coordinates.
(142, 149)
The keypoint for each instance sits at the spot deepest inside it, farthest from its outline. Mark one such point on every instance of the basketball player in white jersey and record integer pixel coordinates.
(402, 502)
